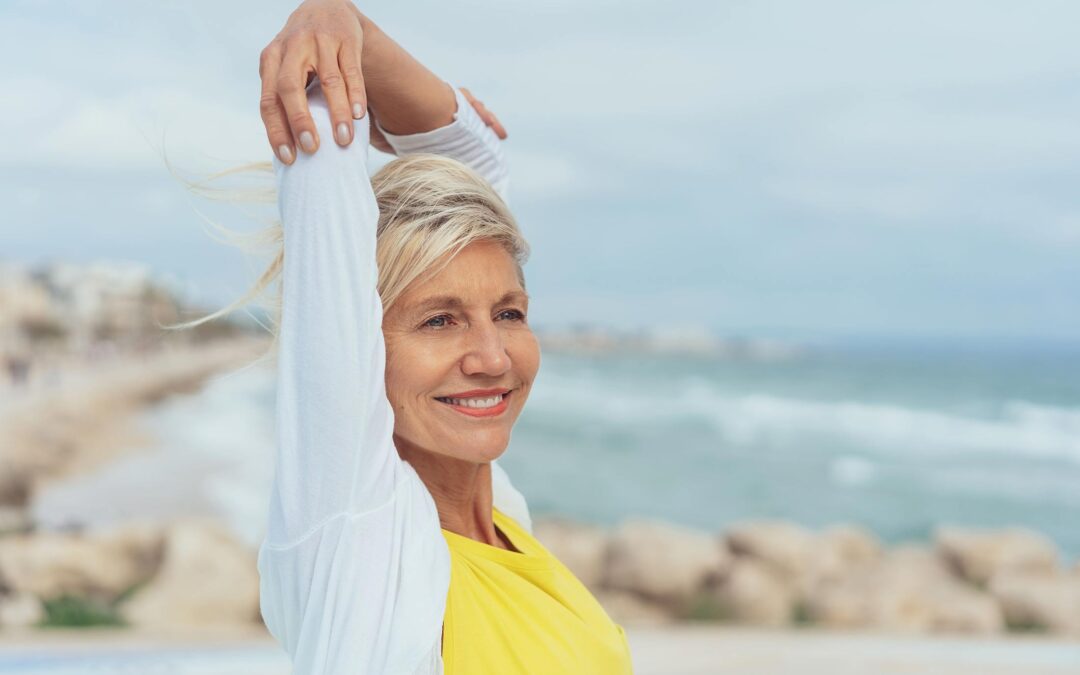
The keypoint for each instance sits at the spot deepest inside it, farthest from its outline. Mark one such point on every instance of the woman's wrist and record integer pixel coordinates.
(406, 96)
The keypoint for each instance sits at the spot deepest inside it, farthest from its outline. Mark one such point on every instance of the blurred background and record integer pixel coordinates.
(805, 276)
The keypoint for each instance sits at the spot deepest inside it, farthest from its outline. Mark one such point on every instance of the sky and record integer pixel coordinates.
(775, 169)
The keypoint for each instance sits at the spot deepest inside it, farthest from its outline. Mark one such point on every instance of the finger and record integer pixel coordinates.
(333, 86)
(497, 127)
(489, 118)
(349, 61)
(377, 139)
(296, 65)
(270, 108)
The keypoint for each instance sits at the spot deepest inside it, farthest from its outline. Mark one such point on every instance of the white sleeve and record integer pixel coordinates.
(354, 570)
(467, 139)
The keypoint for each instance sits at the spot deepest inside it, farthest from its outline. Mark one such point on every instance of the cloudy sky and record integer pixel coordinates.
(785, 169)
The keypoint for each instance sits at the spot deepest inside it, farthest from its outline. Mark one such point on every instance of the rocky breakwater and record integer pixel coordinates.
(87, 417)
(194, 574)
(777, 574)
(185, 574)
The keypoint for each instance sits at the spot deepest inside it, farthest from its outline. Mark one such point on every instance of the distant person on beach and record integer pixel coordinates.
(18, 369)
(395, 543)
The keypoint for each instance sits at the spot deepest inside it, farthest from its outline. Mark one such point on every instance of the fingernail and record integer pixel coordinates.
(284, 153)
(307, 141)
(342, 133)
(357, 111)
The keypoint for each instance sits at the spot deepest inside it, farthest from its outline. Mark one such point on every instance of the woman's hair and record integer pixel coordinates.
(430, 207)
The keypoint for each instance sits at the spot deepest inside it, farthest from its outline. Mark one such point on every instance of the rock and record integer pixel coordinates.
(207, 577)
(912, 564)
(1036, 601)
(629, 609)
(979, 555)
(803, 559)
(579, 546)
(20, 610)
(836, 554)
(854, 546)
(957, 608)
(783, 546)
(662, 562)
(909, 590)
(95, 565)
(753, 592)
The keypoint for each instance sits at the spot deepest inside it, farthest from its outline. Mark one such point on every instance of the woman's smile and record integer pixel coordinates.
(479, 402)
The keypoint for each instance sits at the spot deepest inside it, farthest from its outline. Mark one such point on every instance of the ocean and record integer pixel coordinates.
(896, 437)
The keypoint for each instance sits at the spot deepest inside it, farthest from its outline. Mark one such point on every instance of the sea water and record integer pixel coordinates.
(897, 437)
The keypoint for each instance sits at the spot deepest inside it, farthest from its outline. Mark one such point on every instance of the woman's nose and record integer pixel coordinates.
(485, 353)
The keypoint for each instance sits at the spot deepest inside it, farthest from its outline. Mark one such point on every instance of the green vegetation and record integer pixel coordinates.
(802, 616)
(1026, 626)
(69, 611)
(706, 607)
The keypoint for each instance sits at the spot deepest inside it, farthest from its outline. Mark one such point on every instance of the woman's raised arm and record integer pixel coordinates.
(353, 570)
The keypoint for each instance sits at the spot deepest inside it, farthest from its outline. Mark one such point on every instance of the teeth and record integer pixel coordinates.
(489, 402)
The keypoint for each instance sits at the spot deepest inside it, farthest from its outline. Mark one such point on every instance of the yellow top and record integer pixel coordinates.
(511, 612)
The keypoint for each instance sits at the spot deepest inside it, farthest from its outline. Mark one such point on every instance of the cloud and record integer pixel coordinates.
(787, 160)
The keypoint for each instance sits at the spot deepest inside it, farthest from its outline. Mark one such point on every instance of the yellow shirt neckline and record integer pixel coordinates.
(528, 554)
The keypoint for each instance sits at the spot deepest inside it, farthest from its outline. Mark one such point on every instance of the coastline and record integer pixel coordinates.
(86, 414)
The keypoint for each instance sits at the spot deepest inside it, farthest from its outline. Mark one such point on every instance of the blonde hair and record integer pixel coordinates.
(430, 207)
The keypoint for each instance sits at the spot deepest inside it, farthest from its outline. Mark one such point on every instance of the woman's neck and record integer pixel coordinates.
(462, 492)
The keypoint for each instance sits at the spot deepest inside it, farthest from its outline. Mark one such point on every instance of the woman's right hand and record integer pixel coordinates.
(323, 37)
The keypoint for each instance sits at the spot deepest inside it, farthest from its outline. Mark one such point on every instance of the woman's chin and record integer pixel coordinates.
(482, 449)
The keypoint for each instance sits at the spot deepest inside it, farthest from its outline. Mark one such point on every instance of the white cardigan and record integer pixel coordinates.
(354, 570)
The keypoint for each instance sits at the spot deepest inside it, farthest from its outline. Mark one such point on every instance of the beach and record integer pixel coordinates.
(683, 650)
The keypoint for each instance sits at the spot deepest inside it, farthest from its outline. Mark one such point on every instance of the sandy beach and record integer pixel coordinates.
(672, 650)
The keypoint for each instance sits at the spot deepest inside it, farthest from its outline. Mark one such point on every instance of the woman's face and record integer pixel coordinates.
(461, 358)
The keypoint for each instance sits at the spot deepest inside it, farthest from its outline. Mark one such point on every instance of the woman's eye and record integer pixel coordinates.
(512, 314)
(440, 321)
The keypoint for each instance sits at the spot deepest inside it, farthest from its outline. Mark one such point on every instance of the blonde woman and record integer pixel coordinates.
(395, 544)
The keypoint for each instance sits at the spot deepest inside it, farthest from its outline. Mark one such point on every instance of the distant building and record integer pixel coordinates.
(82, 309)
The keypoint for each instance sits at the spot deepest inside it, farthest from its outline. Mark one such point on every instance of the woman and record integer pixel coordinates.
(394, 543)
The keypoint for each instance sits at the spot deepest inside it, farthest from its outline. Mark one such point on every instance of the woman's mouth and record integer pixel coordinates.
(487, 405)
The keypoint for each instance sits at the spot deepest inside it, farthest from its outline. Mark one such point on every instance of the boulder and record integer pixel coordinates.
(836, 554)
(909, 590)
(979, 555)
(854, 546)
(207, 577)
(20, 610)
(753, 592)
(665, 563)
(98, 565)
(630, 609)
(1037, 601)
(579, 546)
(803, 559)
(783, 546)
(959, 608)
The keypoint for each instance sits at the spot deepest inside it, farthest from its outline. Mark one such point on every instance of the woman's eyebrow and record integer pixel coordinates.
(450, 301)
(454, 302)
